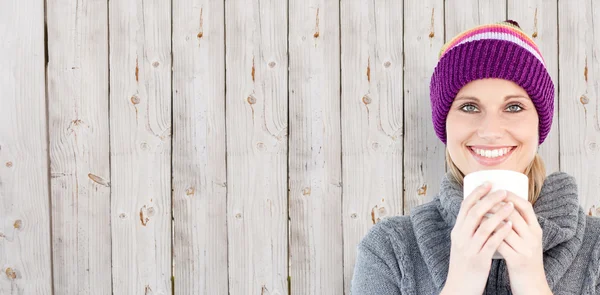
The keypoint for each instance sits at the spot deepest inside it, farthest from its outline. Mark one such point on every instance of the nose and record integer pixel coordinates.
(491, 128)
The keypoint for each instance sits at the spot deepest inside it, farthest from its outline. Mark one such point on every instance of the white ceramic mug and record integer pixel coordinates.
(508, 180)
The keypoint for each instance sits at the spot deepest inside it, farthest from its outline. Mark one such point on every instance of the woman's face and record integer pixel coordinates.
(492, 124)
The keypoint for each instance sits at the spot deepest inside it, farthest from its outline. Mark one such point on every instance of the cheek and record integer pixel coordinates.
(457, 132)
(525, 129)
(458, 129)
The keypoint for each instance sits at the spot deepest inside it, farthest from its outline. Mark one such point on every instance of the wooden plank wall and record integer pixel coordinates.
(372, 118)
(579, 76)
(424, 153)
(315, 165)
(199, 148)
(256, 105)
(78, 126)
(229, 147)
(25, 229)
(140, 145)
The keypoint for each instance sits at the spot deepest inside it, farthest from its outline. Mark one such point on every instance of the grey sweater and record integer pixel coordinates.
(410, 254)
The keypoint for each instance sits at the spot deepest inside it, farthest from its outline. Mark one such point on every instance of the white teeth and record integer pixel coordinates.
(492, 153)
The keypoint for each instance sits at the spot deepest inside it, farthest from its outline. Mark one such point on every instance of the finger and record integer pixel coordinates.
(520, 226)
(514, 241)
(471, 200)
(524, 207)
(477, 212)
(499, 227)
(496, 208)
(506, 251)
(489, 226)
(494, 241)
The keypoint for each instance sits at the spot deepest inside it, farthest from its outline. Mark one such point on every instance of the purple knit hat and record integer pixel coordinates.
(499, 50)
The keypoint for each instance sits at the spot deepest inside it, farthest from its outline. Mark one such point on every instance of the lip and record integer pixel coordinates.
(487, 147)
(487, 161)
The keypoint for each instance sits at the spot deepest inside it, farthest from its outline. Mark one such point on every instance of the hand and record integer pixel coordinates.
(473, 241)
(523, 252)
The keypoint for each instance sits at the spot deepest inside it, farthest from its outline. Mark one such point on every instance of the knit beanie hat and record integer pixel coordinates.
(500, 50)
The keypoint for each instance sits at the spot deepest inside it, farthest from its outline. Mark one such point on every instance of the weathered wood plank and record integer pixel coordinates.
(463, 15)
(199, 170)
(257, 132)
(316, 261)
(140, 136)
(25, 252)
(579, 73)
(424, 153)
(372, 118)
(79, 146)
(538, 19)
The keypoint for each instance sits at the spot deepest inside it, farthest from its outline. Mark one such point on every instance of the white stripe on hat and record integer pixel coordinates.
(505, 37)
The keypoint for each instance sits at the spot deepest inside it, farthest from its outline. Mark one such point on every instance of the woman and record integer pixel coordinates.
(492, 104)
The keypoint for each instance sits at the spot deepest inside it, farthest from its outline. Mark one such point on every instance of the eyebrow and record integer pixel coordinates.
(505, 98)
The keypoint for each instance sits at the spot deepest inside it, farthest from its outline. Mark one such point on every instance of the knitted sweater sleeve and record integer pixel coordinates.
(595, 267)
(593, 272)
(375, 271)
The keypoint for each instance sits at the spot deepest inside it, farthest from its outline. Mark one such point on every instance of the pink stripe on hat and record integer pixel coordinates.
(500, 28)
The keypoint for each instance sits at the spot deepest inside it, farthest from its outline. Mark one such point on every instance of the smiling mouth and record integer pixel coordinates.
(489, 156)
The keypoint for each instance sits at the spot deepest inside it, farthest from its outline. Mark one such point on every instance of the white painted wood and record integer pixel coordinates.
(463, 15)
(140, 135)
(372, 118)
(199, 170)
(424, 153)
(256, 108)
(315, 195)
(538, 19)
(79, 146)
(25, 253)
(579, 73)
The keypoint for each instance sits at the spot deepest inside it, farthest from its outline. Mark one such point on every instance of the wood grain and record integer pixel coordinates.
(315, 192)
(424, 153)
(199, 164)
(140, 136)
(25, 253)
(79, 146)
(372, 118)
(579, 72)
(257, 146)
(463, 15)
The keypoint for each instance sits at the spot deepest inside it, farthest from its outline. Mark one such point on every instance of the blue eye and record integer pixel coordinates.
(471, 108)
(514, 108)
(468, 108)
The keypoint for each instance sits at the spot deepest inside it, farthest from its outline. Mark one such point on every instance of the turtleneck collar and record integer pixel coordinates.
(558, 213)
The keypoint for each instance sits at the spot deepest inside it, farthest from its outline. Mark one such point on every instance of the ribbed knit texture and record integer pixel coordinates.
(491, 51)
(410, 254)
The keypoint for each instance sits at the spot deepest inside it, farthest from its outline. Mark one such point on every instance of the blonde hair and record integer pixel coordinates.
(536, 172)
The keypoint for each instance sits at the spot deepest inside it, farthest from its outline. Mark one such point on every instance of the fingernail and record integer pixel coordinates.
(502, 192)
